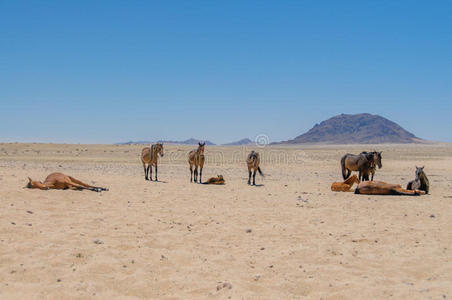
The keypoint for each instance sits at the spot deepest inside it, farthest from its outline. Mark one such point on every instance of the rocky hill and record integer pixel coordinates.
(356, 129)
(245, 141)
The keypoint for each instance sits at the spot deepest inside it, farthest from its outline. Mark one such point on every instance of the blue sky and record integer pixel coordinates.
(110, 71)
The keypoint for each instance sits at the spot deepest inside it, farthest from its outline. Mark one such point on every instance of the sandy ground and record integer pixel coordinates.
(289, 238)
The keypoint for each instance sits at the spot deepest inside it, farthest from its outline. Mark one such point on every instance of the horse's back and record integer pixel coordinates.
(57, 176)
(146, 154)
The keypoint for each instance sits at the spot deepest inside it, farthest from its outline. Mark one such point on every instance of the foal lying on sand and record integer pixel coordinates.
(215, 180)
(345, 186)
(383, 188)
(59, 181)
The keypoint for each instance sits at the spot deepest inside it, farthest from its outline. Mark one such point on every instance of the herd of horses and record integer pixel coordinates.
(364, 163)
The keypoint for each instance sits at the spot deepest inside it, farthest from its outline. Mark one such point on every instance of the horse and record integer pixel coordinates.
(219, 180)
(376, 161)
(253, 162)
(196, 158)
(149, 157)
(60, 181)
(383, 188)
(346, 185)
(361, 163)
(420, 182)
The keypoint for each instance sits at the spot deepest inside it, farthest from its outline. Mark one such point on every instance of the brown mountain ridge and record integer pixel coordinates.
(356, 129)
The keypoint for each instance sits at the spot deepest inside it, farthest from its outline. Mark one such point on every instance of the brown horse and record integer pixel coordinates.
(383, 188)
(376, 161)
(196, 158)
(362, 163)
(253, 162)
(345, 186)
(219, 180)
(60, 181)
(149, 157)
(420, 182)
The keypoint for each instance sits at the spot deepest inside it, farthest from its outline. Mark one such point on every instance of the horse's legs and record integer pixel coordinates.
(200, 174)
(196, 174)
(249, 176)
(75, 181)
(156, 172)
(254, 177)
(191, 173)
(150, 171)
(145, 172)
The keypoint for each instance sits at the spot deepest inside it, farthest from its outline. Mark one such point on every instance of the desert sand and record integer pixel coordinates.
(290, 237)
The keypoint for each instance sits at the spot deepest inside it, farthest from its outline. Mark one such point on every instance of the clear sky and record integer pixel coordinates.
(112, 71)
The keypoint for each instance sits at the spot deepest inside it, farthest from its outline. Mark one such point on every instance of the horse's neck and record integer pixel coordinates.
(423, 178)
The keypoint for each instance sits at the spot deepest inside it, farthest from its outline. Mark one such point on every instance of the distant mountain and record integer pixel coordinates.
(356, 129)
(245, 141)
(191, 141)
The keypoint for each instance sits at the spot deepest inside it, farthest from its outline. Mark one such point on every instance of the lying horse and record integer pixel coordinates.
(420, 182)
(215, 180)
(345, 186)
(383, 188)
(60, 181)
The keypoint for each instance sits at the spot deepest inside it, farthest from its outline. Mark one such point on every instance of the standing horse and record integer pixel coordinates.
(149, 157)
(196, 158)
(376, 161)
(420, 182)
(253, 162)
(362, 163)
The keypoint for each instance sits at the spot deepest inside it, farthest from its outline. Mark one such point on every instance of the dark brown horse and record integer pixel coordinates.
(219, 180)
(149, 157)
(196, 158)
(363, 163)
(420, 182)
(376, 161)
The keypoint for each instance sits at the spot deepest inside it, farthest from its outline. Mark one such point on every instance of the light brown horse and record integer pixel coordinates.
(219, 180)
(253, 162)
(60, 181)
(149, 157)
(196, 158)
(383, 188)
(345, 186)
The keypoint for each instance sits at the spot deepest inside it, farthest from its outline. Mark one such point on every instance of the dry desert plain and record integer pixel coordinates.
(288, 238)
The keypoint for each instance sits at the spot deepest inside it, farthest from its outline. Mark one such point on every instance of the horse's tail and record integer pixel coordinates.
(344, 170)
(260, 171)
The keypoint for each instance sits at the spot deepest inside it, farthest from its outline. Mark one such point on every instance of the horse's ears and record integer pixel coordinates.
(29, 179)
(422, 167)
(199, 143)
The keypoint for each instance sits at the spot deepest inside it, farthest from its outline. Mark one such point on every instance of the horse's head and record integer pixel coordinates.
(377, 159)
(35, 185)
(201, 147)
(160, 149)
(419, 172)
